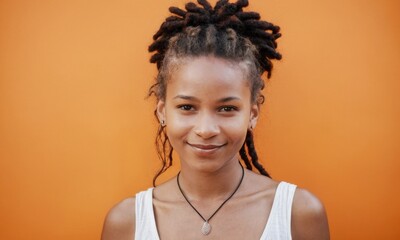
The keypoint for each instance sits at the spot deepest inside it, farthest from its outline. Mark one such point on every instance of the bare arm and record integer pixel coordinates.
(120, 221)
(309, 220)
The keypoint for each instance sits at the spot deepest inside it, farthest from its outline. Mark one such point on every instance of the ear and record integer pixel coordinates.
(254, 113)
(161, 111)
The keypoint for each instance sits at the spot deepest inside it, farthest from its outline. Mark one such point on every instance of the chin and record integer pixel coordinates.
(206, 164)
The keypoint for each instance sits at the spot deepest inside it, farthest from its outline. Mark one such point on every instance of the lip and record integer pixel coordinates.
(205, 149)
(206, 146)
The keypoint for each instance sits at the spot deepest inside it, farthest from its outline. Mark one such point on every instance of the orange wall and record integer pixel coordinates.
(76, 134)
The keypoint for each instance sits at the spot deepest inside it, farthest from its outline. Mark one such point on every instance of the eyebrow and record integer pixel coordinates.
(222, 100)
(228, 99)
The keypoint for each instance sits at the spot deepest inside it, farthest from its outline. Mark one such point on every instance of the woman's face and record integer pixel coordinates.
(207, 111)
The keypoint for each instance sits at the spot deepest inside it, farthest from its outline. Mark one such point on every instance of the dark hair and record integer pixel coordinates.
(224, 31)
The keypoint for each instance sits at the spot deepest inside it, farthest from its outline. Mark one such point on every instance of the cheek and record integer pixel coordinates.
(239, 122)
(236, 129)
(238, 135)
(177, 129)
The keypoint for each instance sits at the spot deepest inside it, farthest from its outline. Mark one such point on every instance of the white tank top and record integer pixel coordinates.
(277, 228)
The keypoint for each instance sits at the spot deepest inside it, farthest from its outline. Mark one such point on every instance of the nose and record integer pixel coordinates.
(206, 126)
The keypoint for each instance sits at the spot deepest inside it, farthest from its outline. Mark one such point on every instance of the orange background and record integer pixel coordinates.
(76, 133)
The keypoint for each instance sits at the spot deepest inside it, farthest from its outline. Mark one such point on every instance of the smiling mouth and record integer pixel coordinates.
(206, 147)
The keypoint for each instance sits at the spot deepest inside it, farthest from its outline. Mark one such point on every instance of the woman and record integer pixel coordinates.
(210, 61)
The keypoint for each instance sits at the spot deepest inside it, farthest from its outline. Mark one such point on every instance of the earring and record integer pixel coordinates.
(162, 123)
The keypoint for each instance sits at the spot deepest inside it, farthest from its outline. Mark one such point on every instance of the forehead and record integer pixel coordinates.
(207, 73)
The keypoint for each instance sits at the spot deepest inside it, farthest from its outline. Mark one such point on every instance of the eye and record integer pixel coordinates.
(228, 109)
(186, 107)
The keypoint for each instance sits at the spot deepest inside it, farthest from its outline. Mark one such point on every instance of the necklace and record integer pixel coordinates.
(206, 228)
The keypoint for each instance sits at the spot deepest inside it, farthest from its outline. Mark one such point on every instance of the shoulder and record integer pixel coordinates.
(120, 221)
(309, 220)
(259, 183)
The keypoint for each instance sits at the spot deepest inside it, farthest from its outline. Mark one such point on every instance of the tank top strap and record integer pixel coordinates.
(145, 227)
(279, 222)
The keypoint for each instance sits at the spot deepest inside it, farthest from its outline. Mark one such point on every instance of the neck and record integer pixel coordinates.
(217, 185)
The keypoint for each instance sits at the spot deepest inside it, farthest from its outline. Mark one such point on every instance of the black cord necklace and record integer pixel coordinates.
(206, 229)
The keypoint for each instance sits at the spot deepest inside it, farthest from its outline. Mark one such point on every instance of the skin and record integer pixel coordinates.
(208, 110)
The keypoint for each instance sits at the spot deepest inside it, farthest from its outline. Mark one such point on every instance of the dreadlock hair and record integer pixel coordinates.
(224, 31)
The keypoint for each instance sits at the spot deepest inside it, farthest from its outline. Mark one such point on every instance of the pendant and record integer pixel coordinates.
(206, 229)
